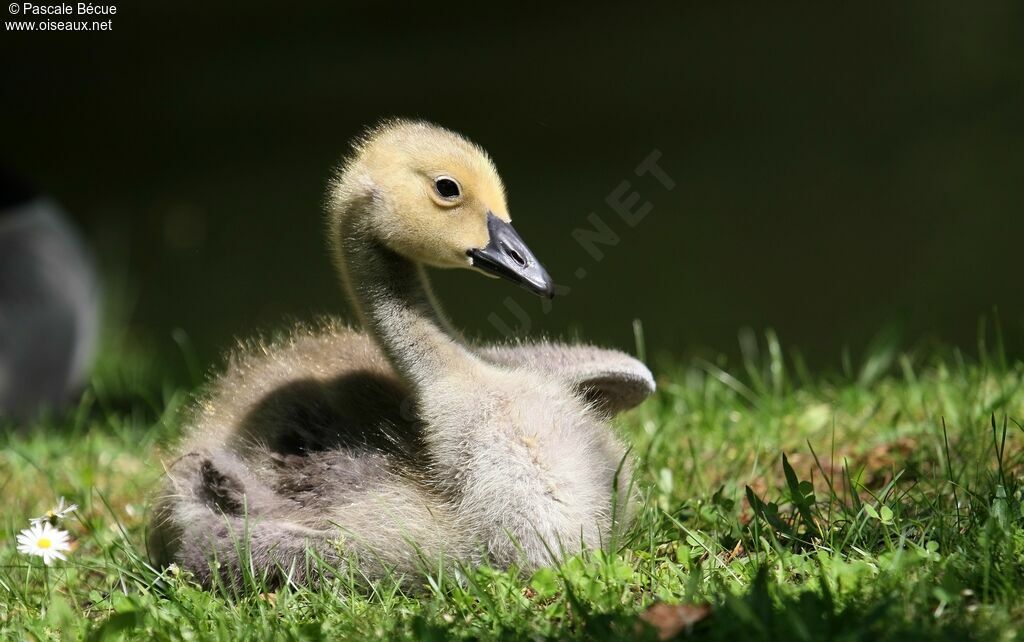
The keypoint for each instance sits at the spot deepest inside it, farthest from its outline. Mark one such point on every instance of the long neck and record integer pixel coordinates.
(393, 300)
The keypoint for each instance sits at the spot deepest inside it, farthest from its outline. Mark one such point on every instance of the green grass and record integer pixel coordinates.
(881, 502)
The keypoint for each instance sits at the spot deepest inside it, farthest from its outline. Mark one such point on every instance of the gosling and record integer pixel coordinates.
(403, 449)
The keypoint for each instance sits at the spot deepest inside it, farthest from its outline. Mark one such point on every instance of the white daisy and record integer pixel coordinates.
(44, 540)
(55, 514)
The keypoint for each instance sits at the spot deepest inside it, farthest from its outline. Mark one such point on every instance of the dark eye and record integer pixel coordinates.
(447, 187)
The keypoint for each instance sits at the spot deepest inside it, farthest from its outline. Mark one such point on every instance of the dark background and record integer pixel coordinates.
(839, 170)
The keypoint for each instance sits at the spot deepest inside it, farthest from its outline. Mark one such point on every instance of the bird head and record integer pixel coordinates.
(434, 197)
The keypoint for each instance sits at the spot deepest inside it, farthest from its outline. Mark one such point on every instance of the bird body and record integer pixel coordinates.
(49, 304)
(392, 450)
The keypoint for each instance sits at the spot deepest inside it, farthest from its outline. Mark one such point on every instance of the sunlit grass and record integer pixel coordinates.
(883, 502)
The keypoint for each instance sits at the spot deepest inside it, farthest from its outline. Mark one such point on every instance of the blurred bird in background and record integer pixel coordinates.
(49, 303)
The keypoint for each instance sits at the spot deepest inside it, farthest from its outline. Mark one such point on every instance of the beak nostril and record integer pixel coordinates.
(515, 256)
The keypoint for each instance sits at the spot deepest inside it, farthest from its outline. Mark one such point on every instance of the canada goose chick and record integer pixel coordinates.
(410, 448)
(528, 466)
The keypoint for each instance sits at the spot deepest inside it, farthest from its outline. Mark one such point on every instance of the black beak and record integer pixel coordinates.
(507, 256)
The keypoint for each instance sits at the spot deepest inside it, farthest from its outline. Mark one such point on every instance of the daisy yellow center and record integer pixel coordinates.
(44, 542)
